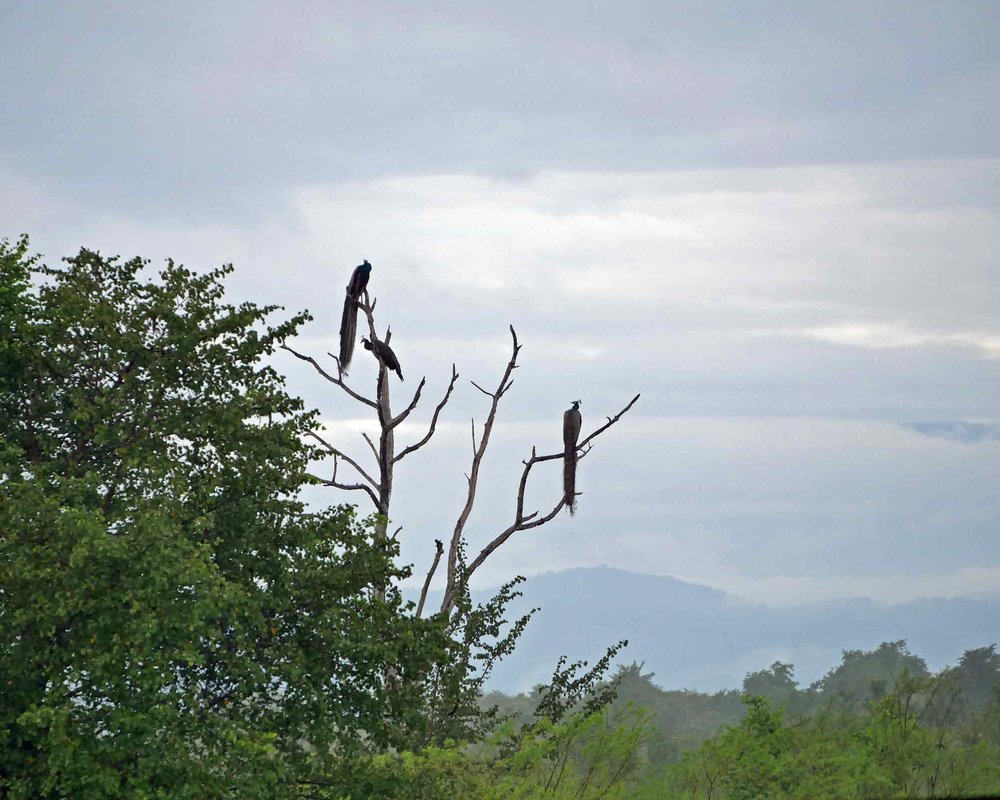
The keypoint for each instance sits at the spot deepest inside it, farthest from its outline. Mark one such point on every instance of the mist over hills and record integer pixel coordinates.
(696, 637)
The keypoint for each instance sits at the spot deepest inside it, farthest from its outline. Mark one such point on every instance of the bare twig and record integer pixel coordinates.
(477, 458)
(338, 381)
(338, 454)
(412, 404)
(480, 388)
(347, 486)
(371, 444)
(522, 521)
(437, 412)
(377, 485)
(439, 550)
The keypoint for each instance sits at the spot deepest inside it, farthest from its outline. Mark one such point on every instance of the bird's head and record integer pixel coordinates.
(576, 405)
(366, 343)
(365, 267)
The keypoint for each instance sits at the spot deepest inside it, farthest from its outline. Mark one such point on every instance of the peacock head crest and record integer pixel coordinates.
(576, 405)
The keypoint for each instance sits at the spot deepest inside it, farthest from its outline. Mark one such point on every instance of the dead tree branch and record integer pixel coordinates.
(338, 381)
(412, 404)
(378, 486)
(347, 487)
(437, 412)
(522, 521)
(338, 454)
(477, 457)
(439, 551)
(371, 444)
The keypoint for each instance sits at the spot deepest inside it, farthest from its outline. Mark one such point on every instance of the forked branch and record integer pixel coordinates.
(337, 381)
(479, 451)
(522, 521)
(437, 412)
(347, 487)
(438, 551)
(377, 485)
(338, 454)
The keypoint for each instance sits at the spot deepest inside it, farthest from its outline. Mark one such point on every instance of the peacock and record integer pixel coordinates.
(572, 421)
(349, 321)
(384, 353)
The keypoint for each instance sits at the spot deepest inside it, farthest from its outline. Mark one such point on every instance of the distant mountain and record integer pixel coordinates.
(957, 431)
(695, 637)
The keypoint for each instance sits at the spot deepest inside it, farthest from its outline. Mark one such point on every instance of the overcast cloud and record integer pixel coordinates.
(779, 222)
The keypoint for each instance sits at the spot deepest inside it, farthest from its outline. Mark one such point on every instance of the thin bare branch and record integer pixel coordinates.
(480, 388)
(585, 445)
(338, 454)
(438, 551)
(368, 306)
(477, 458)
(437, 412)
(611, 421)
(524, 525)
(347, 487)
(412, 405)
(522, 521)
(337, 381)
(371, 444)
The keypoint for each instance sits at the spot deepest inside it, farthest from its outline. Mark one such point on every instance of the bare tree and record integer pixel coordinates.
(377, 485)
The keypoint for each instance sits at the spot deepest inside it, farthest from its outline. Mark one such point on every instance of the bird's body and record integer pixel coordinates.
(572, 422)
(384, 353)
(349, 321)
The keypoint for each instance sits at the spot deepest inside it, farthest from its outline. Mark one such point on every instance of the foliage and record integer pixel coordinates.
(922, 735)
(862, 676)
(173, 622)
(763, 757)
(478, 637)
(583, 757)
(569, 690)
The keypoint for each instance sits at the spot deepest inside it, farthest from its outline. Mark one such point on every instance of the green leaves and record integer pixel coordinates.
(173, 621)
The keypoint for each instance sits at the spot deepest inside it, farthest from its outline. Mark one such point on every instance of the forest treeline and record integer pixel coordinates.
(175, 622)
(879, 724)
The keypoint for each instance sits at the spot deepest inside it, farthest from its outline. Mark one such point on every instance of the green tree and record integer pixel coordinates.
(863, 675)
(173, 621)
(764, 757)
(909, 751)
(777, 683)
(978, 672)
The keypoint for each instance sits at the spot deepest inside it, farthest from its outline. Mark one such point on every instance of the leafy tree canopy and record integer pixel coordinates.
(173, 621)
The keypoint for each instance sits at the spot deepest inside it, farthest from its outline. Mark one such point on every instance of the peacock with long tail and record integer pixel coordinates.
(384, 353)
(572, 422)
(349, 321)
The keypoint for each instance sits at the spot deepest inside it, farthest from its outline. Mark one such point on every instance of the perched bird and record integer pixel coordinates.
(349, 321)
(572, 421)
(384, 353)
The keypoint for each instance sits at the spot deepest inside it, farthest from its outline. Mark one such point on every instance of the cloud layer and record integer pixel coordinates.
(778, 223)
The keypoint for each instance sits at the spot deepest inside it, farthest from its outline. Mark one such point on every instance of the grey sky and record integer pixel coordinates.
(779, 222)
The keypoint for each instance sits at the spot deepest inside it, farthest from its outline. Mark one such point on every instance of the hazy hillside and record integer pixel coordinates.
(695, 637)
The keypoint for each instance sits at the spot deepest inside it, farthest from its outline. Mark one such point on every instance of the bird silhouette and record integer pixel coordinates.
(384, 353)
(572, 422)
(349, 320)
